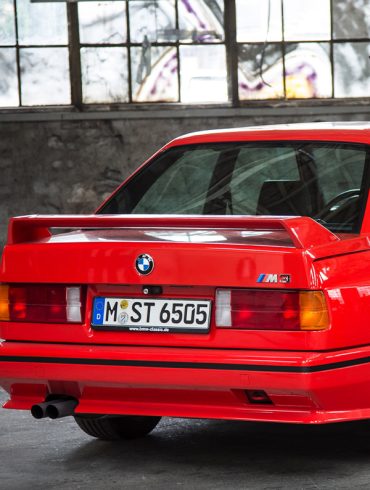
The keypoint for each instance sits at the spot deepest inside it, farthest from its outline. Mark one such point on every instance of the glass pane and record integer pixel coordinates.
(351, 18)
(152, 21)
(351, 70)
(306, 20)
(260, 71)
(8, 80)
(182, 188)
(254, 167)
(102, 22)
(44, 23)
(154, 74)
(344, 173)
(258, 20)
(308, 70)
(201, 20)
(203, 74)
(7, 23)
(45, 76)
(104, 75)
(290, 178)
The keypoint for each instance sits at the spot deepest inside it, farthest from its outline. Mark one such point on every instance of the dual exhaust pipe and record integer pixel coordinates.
(54, 409)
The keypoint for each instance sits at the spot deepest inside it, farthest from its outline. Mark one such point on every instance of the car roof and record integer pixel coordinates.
(354, 131)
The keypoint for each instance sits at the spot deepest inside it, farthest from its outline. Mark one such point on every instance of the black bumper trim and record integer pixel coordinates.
(187, 365)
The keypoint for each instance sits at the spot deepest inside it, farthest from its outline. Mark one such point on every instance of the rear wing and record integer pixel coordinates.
(304, 232)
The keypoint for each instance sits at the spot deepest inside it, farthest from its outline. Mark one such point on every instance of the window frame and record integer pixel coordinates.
(231, 47)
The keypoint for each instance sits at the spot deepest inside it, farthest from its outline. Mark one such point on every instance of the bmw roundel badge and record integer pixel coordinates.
(144, 264)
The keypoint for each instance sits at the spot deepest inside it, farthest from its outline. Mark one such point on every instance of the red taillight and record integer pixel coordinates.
(17, 303)
(271, 309)
(41, 303)
(265, 310)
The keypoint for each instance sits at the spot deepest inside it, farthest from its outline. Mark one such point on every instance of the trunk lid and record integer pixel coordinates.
(193, 256)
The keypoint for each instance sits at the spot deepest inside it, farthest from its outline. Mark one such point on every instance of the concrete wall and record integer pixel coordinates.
(70, 166)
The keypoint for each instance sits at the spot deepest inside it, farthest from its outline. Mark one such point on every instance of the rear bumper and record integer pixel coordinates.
(304, 387)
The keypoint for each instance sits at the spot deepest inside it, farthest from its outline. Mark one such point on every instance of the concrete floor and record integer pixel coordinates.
(187, 454)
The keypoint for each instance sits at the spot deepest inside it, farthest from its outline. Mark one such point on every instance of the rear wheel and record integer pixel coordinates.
(111, 427)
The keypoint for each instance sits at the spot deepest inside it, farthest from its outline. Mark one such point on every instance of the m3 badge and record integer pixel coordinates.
(274, 278)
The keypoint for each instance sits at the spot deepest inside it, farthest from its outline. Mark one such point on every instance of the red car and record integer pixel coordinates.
(228, 277)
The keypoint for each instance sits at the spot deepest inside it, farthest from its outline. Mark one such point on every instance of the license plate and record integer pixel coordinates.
(151, 315)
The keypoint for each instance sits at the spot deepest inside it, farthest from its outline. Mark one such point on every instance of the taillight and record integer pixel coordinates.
(4, 302)
(257, 309)
(43, 303)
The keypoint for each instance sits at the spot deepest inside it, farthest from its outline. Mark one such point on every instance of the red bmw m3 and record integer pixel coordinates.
(228, 277)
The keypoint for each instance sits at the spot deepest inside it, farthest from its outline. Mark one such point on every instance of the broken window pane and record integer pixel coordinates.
(308, 70)
(8, 80)
(201, 21)
(258, 20)
(152, 20)
(351, 69)
(306, 20)
(351, 19)
(102, 22)
(45, 76)
(154, 74)
(104, 75)
(203, 74)
(260, 71)
(41, 23)
(7, 23)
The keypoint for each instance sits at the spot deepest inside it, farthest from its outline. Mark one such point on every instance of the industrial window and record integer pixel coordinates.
(303, 49)
(152, 51)
(34, 62)
(83, 52)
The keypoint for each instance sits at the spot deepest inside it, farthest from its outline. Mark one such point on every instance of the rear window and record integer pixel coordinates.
(325, 181)
(183, 184)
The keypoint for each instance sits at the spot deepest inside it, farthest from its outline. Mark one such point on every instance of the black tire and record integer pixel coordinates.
(111, 427)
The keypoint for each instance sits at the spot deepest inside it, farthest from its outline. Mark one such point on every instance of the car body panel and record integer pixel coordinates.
(309, 376)
(304, 387)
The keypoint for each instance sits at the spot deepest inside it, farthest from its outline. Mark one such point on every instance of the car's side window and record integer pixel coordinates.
(183, 187)
(339, 169)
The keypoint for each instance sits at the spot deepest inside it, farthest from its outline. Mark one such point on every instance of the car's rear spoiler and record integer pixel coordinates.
(304, 232)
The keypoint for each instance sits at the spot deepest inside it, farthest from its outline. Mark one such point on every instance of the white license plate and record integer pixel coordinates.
(151, 315)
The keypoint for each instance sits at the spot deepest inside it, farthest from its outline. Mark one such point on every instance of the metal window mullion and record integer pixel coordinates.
(128, 44)
(231, 47)
(17, 52)
(159, 44)
(36, 46)
(332, 46)
(283, 50)
(74, 55)
(178, 51)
